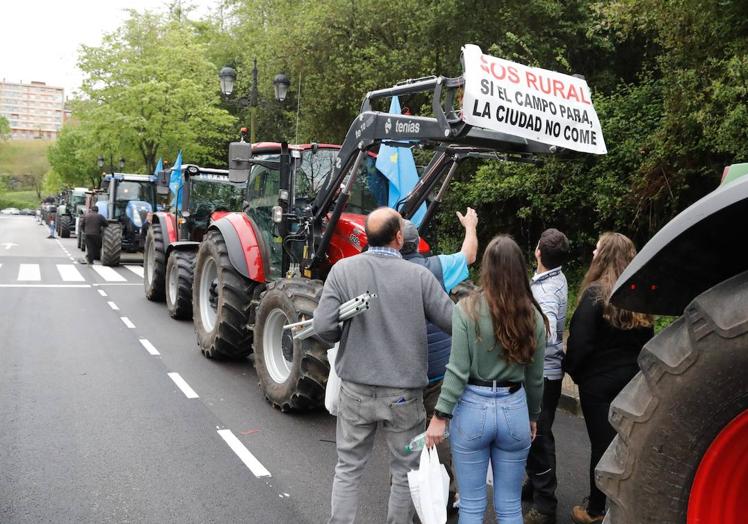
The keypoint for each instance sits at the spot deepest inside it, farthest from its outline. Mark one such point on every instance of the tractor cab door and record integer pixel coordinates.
(263, 188)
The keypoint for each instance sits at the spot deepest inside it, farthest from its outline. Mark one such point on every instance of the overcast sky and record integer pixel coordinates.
(39, 39)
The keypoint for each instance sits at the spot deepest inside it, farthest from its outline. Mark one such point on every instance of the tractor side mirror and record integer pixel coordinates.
(162, 182)
(240, 154)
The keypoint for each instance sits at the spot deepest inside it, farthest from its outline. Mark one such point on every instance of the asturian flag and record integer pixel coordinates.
(399, 166)
(176, 181)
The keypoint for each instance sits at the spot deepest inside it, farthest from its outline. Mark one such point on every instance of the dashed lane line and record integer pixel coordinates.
(182, 385)
(126, 321)
(114, 306)
(150, 348)
(102, 292)
(244, 454)
(46, 285)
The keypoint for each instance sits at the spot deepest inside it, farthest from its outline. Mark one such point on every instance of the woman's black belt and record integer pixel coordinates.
(513, 386)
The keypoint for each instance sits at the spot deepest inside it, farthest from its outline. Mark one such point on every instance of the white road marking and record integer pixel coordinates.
(29, 272)
(126, 321)
(182, 384)
(69, 273)
(102, 292)
(45, 285)
(113, 305)
(9, 245)
(108, 274)
(118, 284)
(138, 270)
(149, 347)
(244, 454)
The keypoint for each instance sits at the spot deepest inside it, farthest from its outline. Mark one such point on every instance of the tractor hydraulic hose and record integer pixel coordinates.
(438, 199)
(319, 255)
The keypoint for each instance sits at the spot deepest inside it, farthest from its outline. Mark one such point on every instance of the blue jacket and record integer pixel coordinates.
(551, 292)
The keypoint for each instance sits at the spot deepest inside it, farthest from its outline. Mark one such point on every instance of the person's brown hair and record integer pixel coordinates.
(614, 252)
(505, 286)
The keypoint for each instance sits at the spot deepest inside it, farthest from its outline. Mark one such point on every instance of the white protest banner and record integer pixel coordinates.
(529, 102)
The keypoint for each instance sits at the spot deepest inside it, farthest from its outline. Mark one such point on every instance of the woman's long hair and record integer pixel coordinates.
(614, 252)
(505, 286)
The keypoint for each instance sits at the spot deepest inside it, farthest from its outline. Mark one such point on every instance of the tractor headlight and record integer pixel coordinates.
(277, 214)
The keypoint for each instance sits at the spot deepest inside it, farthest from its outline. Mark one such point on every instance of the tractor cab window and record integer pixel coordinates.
(128, 190)
(370, 191)
(263, 188)
(209, 195)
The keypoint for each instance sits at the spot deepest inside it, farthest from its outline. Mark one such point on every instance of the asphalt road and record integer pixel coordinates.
(112, 419)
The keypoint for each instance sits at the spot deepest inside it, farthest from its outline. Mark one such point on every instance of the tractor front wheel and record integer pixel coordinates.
(111, 245)
(221, 299)
(179, 273)
(153, 264)
(681, 454)
(293, 373)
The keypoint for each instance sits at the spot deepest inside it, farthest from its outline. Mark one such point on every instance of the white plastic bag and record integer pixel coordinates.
(429, 488)
(332, 390)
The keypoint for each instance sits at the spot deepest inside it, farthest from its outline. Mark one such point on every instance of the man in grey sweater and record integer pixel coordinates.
(381, 360)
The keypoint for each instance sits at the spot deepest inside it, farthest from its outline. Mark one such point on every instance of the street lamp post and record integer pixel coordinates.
(100, 161)
(227, 76)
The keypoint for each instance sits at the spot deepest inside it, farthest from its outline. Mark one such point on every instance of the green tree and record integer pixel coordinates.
(74, 155)
(151, 90)
(4, 129)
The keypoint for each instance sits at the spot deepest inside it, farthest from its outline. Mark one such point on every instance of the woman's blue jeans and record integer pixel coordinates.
(490, 424)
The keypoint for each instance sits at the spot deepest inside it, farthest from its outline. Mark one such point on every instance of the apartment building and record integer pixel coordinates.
(34, 110)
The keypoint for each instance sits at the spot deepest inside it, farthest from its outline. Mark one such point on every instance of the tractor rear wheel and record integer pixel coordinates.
(179, 272)
(111, 245)
(154, 281)
(293, 373)
(221, 299)
(65, 223)
(681, 454)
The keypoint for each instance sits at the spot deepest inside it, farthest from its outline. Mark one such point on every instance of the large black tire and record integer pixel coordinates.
(691, 385)
(179, 272)
(293, 373)
(65, 223)
(221, 300)
(111, 245)
(154, 271)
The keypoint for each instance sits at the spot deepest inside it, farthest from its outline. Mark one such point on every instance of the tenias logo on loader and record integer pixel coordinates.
(407, 127)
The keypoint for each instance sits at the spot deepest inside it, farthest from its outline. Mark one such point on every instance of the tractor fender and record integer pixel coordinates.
(168, 223)
(701, 247)
(182, 245)
(244, 249)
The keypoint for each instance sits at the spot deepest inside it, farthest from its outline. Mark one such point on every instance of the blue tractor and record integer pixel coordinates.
(130, 199)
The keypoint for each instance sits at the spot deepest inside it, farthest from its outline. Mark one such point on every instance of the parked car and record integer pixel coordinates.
(10, 211)
(27, 211)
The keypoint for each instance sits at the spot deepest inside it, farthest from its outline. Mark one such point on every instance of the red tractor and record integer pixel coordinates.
(173, 238)
(681, 454)
(305, 209)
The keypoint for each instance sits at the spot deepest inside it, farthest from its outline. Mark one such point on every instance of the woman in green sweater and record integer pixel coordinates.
(493, 386)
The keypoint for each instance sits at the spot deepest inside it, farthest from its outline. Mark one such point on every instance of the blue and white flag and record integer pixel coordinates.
(159, 167)
(399, 166)
(176, 182)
